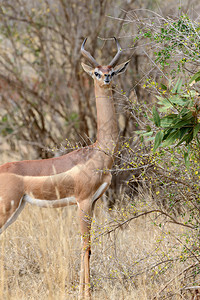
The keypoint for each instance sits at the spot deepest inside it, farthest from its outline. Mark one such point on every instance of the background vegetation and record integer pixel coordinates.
(146, 243)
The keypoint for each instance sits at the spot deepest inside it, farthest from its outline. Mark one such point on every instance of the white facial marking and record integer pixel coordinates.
(97, 74)
(105, 77)
(1, 199)
(12, 202)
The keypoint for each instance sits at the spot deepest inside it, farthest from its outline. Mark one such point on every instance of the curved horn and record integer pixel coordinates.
(117, 56)
(88, 55)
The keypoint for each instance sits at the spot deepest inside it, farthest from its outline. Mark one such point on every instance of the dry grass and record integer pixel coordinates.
(40, 257)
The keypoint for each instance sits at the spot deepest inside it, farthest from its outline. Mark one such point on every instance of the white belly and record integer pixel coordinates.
(50, 203)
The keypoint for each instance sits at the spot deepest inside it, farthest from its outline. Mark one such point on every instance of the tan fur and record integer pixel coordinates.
(74, 182)
(51, 166)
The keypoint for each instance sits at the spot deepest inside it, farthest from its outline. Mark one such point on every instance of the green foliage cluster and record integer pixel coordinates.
(175, 37)
(180, 121)
(167, 162)
(175, 117)
(176, 120)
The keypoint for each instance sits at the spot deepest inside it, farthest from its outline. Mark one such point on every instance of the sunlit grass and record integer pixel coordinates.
(40, 257)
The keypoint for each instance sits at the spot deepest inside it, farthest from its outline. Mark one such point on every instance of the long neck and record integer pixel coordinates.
(107, 129)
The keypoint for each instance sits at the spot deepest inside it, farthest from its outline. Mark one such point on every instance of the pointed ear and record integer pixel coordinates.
(87, 69)
(121, 68)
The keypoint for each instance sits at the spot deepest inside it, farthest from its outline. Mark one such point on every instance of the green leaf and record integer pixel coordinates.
(184, 123)
(178, 100)
(186, 158)
(164, 102)
(195, 77)
(187, 115)
(168, 121)
(183, 131)
(189, 138)
(183, 111)
(167, 132)
(186, 138)
(171, 138)
(4, 118)
(163, 86)
(158, 140)
(150, 138)
(156, 117)
(149, 133)
(148, 128)
(196, 129)
(160, 98)
(177, 87)
(140, 132)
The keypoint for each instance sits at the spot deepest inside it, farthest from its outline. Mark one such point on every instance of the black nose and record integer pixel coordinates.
(107, 78)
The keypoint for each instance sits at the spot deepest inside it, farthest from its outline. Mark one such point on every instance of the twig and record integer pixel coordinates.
(186, 269)
(144, 214)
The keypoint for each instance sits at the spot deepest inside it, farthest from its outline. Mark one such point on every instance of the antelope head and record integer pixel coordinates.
(103, 74)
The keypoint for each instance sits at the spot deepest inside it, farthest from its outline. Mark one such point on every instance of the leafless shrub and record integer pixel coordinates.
(45, 96)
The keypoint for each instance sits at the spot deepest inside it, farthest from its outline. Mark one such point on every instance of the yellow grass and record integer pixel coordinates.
(40, 257)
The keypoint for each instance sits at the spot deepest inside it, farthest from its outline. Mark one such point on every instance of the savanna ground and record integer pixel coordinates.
(145, 241)
(40, 257)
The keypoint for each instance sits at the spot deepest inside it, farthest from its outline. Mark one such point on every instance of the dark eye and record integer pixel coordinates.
(112, 74)
(97, 74)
